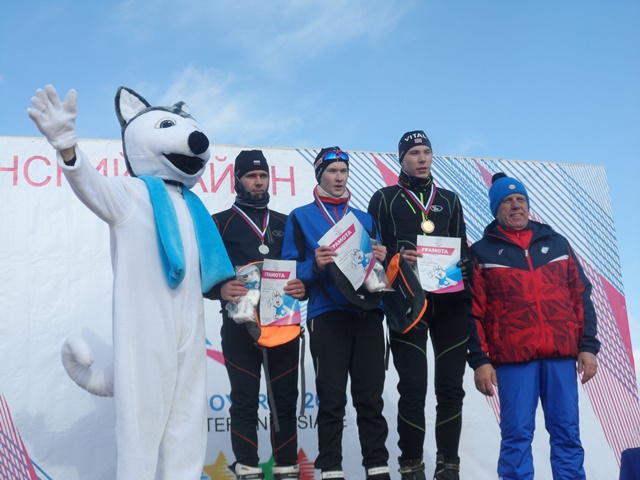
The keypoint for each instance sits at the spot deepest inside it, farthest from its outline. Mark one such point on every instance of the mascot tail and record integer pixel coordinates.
(77, 358)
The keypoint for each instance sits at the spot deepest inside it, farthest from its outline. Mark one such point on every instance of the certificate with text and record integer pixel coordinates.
(349, 239)
(437, 268)
(276, 307)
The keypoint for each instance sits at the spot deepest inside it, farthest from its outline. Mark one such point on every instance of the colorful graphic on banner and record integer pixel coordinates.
(15, 463)
(220, 469)
(613, 392)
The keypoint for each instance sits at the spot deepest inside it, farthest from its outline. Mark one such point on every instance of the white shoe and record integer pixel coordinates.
(245, 472)
(290, 472)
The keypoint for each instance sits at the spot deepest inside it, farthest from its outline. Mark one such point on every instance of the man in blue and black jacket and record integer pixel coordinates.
(346, 340)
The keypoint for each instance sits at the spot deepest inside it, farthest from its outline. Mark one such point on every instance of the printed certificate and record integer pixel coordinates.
(351, 242)
(276, 307)
(437, 268)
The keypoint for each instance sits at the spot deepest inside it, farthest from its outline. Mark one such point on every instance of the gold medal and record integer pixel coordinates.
(427, 226)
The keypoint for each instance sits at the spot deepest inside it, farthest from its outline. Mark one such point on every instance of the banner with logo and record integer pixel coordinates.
(56, 281)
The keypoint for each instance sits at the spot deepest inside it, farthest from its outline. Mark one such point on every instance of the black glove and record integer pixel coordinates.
(467, 267)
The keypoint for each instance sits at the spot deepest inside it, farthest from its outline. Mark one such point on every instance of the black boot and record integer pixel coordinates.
(448, 469)
(412, 469)
(378, 473)
(332, 475)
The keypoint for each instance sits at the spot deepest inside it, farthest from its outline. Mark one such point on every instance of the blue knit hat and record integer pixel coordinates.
(501, 187)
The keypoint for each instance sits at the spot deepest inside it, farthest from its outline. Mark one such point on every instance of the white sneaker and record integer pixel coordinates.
(245, 472)
(289, 472)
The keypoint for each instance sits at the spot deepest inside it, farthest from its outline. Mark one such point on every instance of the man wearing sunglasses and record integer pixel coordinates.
(252, 232)
(346, 340)
(414, 207)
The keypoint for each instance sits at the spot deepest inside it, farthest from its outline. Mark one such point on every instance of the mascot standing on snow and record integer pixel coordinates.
(165, 251)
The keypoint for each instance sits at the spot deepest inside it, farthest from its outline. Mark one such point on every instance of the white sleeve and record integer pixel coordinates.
(109, 198)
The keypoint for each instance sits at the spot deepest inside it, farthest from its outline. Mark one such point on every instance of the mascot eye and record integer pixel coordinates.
(165, 123)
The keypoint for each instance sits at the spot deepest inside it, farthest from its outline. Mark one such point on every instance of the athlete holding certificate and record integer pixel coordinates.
(251, 232)
(414, 207)
(347, 340)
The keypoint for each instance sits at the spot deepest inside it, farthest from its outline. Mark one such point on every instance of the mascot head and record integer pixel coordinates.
(163, 142)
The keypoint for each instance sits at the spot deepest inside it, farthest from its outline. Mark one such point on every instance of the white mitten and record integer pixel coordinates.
(55, 119)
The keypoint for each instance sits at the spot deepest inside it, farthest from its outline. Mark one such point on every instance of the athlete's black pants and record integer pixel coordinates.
(243, 360)
(348, 345)
(447, 317)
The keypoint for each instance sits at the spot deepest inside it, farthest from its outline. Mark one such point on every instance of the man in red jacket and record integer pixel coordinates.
(532, 320)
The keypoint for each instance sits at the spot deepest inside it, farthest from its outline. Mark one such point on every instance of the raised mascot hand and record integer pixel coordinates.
(54, 118)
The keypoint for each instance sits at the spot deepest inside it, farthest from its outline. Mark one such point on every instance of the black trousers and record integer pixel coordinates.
(349, 345)
(243, 360)
(448, 322)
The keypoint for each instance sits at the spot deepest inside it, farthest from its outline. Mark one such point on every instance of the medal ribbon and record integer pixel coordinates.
(324, 210)
(416, 200)
(254, 227)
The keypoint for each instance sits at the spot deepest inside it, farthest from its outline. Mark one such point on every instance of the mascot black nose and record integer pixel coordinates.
(198, 142)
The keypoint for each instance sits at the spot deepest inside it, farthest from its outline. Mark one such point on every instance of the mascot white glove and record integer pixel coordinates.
(55, 119)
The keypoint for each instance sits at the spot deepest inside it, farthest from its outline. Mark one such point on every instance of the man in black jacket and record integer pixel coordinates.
(251, 232)
(403, 212)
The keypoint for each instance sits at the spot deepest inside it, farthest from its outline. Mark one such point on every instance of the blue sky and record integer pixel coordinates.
(552, 81)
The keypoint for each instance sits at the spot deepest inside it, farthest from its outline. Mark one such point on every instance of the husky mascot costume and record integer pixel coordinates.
(165, 251)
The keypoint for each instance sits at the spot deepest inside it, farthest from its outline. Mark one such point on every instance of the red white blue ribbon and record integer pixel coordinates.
(424, 207)
(324, 210)
(257, 230)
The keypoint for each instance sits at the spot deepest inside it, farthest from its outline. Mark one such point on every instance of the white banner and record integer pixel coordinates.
(56, 280)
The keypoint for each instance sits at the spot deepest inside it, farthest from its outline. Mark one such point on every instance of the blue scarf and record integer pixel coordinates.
(215, 265)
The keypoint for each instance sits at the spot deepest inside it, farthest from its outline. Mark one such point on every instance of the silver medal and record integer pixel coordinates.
(263, 249)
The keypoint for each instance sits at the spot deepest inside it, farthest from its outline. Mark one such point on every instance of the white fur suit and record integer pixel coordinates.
(158, 331)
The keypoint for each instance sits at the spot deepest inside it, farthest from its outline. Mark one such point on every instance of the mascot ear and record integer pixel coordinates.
(128, 105)
(182, 106)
